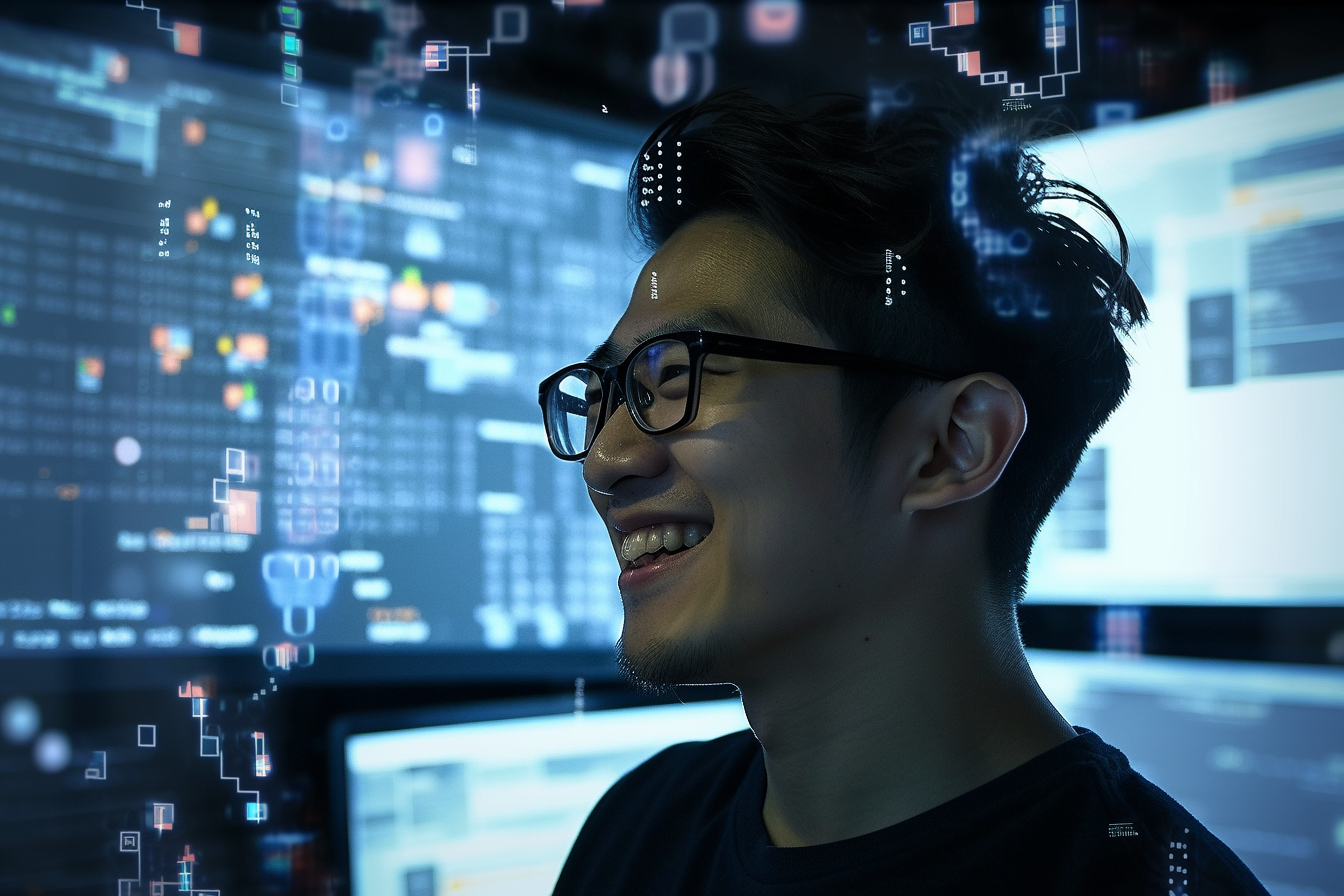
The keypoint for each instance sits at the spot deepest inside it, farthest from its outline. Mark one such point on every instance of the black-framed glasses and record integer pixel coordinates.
(660, 383)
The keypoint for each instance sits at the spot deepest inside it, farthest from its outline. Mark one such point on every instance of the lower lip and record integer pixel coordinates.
(639, 577)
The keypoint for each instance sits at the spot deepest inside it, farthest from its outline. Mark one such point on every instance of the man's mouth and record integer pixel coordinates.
(644, 546)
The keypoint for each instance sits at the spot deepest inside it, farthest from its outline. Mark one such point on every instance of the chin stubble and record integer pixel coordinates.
(664, 663)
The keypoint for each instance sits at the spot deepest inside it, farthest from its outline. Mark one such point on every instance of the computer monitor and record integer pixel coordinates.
(269, 368)
(488, 799)
(1217, 480)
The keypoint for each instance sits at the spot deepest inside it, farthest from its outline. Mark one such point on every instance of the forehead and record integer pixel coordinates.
(715, 273)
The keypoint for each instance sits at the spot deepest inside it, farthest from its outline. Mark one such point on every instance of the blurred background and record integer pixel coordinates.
(296, 600)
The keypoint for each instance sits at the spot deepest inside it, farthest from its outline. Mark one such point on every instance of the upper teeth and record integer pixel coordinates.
(671, 537)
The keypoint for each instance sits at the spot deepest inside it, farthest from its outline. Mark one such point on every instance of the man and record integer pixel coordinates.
(851, 381)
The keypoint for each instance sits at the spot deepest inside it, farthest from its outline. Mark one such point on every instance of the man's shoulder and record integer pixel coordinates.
(1077, 819)
(695, 769)
(663, 818)
(1135, 811)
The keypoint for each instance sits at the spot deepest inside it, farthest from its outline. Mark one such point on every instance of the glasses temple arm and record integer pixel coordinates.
(747, 347)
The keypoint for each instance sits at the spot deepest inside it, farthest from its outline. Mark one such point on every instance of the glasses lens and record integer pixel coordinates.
(574, 405)
(659, 384)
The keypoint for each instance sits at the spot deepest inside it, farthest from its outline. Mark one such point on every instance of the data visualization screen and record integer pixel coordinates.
(268, 371)
(1218, 479)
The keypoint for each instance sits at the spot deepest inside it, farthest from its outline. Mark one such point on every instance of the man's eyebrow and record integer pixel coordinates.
(610, 353)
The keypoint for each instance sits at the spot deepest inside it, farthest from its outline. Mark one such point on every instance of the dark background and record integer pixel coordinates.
(1153, 54)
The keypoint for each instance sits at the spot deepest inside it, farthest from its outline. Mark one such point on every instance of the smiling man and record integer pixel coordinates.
(851, 381)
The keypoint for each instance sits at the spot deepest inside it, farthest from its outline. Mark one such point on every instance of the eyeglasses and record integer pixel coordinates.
(660, 384)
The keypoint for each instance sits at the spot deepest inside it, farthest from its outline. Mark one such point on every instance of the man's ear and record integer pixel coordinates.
(968, 433)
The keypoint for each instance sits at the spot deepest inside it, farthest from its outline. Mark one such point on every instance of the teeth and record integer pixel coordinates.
(634, 544)
(671, 537)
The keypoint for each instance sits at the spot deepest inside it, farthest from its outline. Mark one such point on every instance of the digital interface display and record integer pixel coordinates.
(278, 282)
(1251, 749)
(1236, 219)
(269, 370)
(269, 367)
(493, 807)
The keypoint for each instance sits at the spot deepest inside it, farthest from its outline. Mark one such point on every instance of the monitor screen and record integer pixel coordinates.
(493, 806)
(268, 369)
(1255, 751)
(459, 804)
(1217, 480)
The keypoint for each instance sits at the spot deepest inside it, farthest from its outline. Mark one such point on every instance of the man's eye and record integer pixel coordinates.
(673, 372)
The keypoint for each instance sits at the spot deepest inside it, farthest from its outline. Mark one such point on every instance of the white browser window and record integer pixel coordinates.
(1217, 480)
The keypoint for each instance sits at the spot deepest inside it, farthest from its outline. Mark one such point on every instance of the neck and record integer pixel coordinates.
(867, 725)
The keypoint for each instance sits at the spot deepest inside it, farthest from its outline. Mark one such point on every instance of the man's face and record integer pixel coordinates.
(761, 464)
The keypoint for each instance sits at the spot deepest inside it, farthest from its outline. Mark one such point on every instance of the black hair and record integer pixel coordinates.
(982, 278)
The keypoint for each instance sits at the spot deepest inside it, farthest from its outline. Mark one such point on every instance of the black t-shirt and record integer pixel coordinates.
(1075, 820)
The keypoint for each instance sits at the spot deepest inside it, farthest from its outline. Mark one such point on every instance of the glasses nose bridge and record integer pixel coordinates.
(613, 396)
